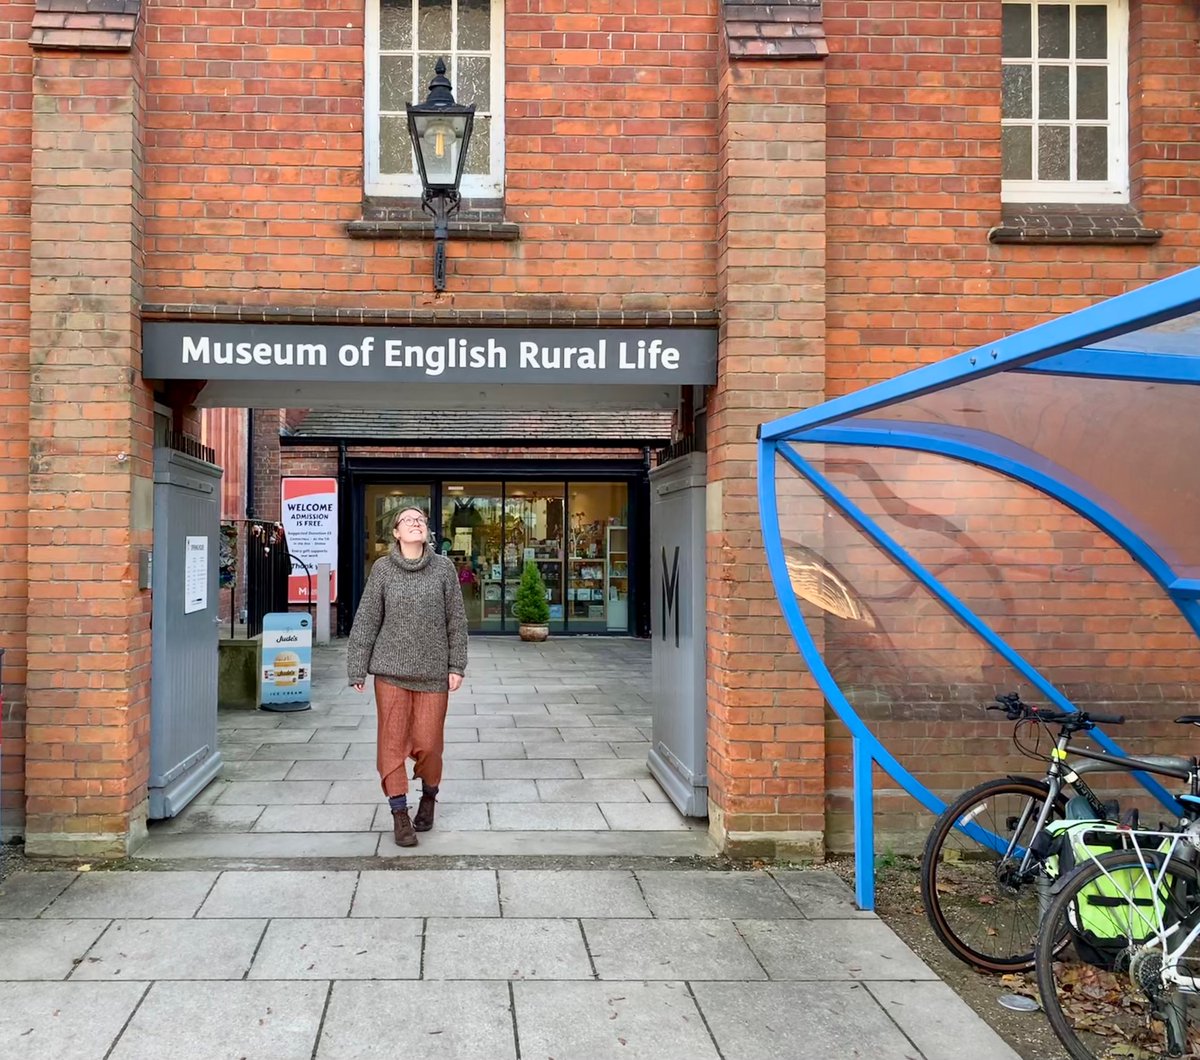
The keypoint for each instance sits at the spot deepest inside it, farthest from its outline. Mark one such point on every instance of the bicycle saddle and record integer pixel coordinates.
(1188, 719)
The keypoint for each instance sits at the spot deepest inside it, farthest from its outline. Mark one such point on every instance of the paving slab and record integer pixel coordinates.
(225, 1021)
(557, 843)
(275, 736)
(144, 950)
(505, 949)
(646, 817)
(45, 949)
(595, 768)
(939, 1022)
(422, 1020)
(216, 818)
(595, 791)
(281, 894)
(122, 895)
(670, 949)
(256, 770)
(482, 750)
(766, 1021)
(345, 818)
(571, 893)
(288, 792)
(831, 950)
(297, 752)
(488, 791)
(346, 769)
(531, 769)
(820, 895)
(546, 816)
(26, 894)
(427, 892)
(340, 949)
(722, 895)
(64, 1021)
(262, 845)
(606, 1021)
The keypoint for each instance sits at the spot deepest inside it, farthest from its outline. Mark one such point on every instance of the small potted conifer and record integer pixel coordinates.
(530, 607)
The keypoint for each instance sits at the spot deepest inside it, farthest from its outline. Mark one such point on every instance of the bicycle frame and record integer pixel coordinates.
(1059, 774)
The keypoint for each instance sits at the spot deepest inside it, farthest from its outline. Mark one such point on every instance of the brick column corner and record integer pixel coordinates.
(91, 439)
(766, 730)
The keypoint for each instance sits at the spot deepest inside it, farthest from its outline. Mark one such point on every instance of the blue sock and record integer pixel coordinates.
(398, 803)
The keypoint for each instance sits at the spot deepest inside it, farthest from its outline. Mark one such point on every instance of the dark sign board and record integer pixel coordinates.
(298, 353)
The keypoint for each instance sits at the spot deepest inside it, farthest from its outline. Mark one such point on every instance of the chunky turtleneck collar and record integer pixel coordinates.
(420, 563)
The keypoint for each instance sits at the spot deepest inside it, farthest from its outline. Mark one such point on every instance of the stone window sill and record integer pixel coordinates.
(1050, 224)
(404, 219)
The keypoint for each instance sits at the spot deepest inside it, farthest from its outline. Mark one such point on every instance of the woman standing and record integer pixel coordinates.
(411, 633)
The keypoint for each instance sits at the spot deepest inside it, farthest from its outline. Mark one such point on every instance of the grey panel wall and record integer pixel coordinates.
(183, 694)
(678, 754)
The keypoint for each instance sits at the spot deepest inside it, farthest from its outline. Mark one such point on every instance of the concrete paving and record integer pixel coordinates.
(545, 755)
(574, 964)
(561, 908)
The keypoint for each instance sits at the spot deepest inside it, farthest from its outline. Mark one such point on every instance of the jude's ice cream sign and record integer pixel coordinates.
(510, 355)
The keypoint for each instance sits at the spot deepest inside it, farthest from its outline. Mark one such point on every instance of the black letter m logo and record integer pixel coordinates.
(670, 593)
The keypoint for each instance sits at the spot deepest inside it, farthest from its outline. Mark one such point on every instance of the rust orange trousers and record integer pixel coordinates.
(411, 725)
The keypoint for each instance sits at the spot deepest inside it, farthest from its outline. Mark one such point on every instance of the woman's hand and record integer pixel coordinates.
(357, 687)
(455, 682)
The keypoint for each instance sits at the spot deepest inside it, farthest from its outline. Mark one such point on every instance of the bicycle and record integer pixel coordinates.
(1146, 901)
(984, 883)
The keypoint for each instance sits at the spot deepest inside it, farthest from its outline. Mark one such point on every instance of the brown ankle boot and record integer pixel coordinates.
(424, 819)
(402, 829)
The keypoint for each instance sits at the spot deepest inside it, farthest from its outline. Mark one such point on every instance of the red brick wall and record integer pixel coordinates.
(912, 278)
(611, 152)
(16, 101)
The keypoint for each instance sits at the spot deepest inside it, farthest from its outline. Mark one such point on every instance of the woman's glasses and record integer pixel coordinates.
(412, 520)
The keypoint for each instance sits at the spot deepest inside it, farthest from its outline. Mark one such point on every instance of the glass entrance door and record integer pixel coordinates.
(472, 535)
(380, 506)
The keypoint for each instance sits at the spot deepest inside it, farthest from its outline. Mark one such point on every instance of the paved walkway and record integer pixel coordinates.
(273, 923)
(546, 754)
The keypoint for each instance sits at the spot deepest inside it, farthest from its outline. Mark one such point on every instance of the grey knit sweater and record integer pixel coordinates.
(411, 625)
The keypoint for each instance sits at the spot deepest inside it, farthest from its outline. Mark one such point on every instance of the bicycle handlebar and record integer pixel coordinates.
(1016, 710)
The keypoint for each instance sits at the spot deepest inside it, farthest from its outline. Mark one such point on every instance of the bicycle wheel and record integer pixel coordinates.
(978, 902)
(1110, 1001)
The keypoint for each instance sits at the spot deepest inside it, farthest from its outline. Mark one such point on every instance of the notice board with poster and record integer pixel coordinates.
(310, 527)
(285, 681)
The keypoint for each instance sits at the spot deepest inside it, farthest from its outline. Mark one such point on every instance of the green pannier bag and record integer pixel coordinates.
(1114, 913)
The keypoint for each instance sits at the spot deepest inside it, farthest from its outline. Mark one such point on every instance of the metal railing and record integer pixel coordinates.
(255, 566)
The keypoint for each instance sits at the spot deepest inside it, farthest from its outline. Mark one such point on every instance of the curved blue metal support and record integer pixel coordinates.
(1017, 462)
(997, 643)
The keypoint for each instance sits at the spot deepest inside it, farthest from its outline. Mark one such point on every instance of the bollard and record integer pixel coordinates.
(322, 623)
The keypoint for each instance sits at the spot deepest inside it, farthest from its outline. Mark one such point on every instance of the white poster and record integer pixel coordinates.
(195, 576)
(310, 522)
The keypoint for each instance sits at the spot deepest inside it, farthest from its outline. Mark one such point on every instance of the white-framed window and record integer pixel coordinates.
(1065, 107)
(404, 39)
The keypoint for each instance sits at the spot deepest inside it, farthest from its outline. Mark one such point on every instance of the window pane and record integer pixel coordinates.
(1054, 92)
(433, 26)
(1091, 92)
(472, 535)
(1018, 92)
(1016, 31)
(1092, 154)
(475, 25)
(474, 83)
(598, 556)
(479, 150)
(395, 24)
(1054, 31)
(395, 148)
(1091, 32)
(1016, 151)
(1054, 152)
(395, 81)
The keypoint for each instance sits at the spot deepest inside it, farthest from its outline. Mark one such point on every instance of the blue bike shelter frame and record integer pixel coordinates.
(1113, 340)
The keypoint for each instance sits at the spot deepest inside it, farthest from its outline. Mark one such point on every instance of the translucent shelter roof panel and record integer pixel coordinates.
(1178, 337)
(1131, 446)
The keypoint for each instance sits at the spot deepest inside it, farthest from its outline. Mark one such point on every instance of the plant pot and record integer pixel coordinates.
(530, 631)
